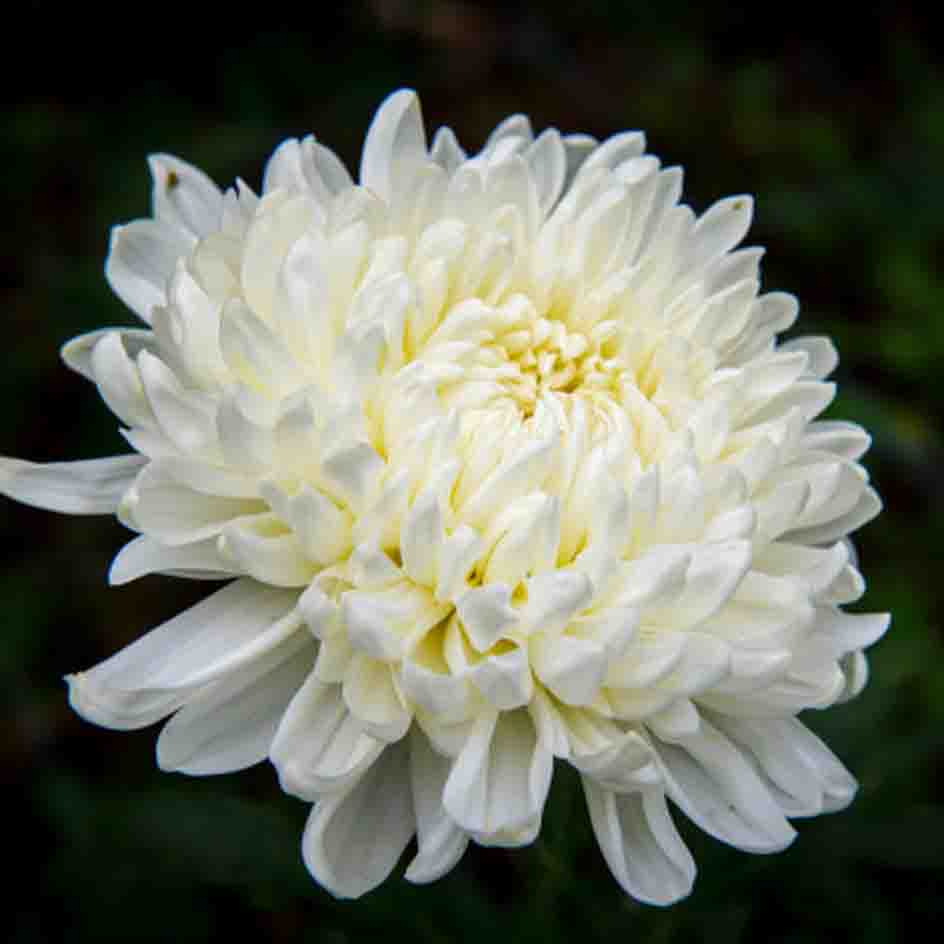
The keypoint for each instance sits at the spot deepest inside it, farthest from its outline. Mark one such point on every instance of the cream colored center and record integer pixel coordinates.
(546, 357)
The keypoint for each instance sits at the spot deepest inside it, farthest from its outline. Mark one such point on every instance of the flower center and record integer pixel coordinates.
(546, 357)
(512, 355)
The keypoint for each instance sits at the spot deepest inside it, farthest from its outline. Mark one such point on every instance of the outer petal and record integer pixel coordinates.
(164, 669)
(441, 842)
(141, 259)
(144, 555)
(319, 746)
(353, 840)
(184, 196)
(499, 782)
(641, 844)
(395, 144)
(230, 725)
(87, 487)
(717, 788)
(806, 777)
(175, 514)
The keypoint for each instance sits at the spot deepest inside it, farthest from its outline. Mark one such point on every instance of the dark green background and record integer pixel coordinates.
(837, 127)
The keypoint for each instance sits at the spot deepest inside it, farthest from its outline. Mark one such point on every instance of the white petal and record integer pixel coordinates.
(354, 839)
(279, 221)
(230, 725)
(352, 473)
(372, 694)
(547, 160)
(720, 228)
(440, 842)
(175, 514)
(441, 693)
(712, 577)
(385, 623)
(319, 747)
(142, 257)
(809, 776)
(641, 844)
(265, 548)
(77, 353)
(554, 599)
(868, 506)
(162, 670)
(572, 668)
(446, 151)
(144, 555)
(659, 573)
(499, 782)
(848, 632)
(254, 352)
(87, 487)
(529, 545)
(648, 660)
(395, 144)
(716, 787)
(119, 379)
(458, 555)
(504, 679)
(624, 762)
(486, 614)
(845, 440)
(186, 417)
(184, 196)
(420, 537)
(823, 357)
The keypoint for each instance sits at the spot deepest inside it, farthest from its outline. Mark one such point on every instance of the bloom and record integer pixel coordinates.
(503, 462)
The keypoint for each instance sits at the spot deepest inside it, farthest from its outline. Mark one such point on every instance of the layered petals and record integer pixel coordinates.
(507, 463)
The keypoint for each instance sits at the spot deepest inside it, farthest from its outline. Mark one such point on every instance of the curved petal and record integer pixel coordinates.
(174, 514)
(353, 839)
(230, 725)
(87, 487)
(395, 143)
(806, 777)
(144, 555)
(716, 787)
(319, 746)
(441, 843)
(142, 257)
(498, 784)
(372, 693)
(184, 196)
(162, 670)
(641, 844)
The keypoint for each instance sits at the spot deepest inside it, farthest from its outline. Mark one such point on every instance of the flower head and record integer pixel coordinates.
(504, 463)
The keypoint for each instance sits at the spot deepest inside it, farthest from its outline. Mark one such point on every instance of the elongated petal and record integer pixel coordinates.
(141, 260)
(640, 844)
(808, 778)
(353, 839)
(184, 196)
(395, 145)
(319, 747)
(87, 487)
(716, 787)
(174, 514)
(499, 782)
(440, 842)
(230, 725)
(144, 555)
(162, 670)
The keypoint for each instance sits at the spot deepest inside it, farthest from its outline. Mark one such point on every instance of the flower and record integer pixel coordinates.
(504, 463)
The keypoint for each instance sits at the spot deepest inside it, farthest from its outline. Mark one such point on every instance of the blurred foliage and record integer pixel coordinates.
(839, 133)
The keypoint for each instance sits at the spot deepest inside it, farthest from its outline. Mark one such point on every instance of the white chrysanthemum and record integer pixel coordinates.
(508, 465)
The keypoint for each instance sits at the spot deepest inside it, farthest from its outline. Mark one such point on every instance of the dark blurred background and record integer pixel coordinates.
(835, 124)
